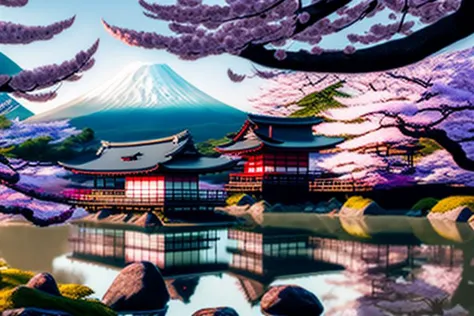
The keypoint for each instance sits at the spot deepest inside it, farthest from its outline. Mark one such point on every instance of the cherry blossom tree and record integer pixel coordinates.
(433, 99)
(40, 84)
(289, 34)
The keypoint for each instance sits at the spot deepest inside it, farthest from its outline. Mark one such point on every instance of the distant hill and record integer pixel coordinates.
(8, 106)
(146, 102)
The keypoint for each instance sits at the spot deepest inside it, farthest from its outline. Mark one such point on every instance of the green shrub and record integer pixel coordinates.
(425, 204)
(22, 297)
(207, 148)
(453, 202)
(75, 291)
(5, 123)
(234, 198)
(357, 202)
(41, 148)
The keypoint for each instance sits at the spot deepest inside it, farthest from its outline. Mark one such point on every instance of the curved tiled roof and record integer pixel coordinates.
(176, 152)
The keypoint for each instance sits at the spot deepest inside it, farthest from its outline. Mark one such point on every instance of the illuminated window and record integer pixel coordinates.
(145, 188)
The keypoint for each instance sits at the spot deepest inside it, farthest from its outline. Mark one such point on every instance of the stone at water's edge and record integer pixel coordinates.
(138, 287)
(217, 311)
(370, 209)
(458, 214)
(290, 300)
(44, 282)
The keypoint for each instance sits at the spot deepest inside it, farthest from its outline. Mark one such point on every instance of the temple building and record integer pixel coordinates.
(160, 174)
(277, 152)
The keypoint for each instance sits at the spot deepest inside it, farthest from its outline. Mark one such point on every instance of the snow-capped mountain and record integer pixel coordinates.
(148, 101)
(9, 107)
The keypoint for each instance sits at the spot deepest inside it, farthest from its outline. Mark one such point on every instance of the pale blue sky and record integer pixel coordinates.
(208, 74)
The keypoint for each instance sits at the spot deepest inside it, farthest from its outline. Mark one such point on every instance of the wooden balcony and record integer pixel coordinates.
(95, 197)
(337, 185)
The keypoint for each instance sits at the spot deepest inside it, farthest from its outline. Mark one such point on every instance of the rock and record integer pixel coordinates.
(44, 282)
(30, 311)
(138, 287)
(370, 209)
(246, 200)
(217, 311)
(458, 214)
(290, 300)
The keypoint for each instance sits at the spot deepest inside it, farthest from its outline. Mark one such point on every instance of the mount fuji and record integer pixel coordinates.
(145, 102)
(9, 107)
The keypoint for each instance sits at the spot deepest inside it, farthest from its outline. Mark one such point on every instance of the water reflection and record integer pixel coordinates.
(355, 268)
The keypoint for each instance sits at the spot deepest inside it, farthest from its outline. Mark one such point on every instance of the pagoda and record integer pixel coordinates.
(276, 151)
(159, 174)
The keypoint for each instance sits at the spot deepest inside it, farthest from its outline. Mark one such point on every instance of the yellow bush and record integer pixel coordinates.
(23, 297)
(75, 291)
(10, 278)
(357, 202)
(453, 202)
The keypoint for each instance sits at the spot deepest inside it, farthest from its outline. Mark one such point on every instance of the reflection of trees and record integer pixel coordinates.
(462, 294)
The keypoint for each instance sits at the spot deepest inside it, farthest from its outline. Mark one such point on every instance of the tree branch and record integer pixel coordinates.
(389, 55)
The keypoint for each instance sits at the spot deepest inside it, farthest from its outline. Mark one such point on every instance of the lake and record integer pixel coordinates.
(356, 266)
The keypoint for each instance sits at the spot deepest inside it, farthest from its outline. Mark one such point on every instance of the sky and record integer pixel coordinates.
(208, 74)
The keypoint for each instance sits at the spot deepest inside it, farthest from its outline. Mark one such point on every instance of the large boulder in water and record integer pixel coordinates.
(44, 282)
(290, 300)
(138, 287)
(217, 311)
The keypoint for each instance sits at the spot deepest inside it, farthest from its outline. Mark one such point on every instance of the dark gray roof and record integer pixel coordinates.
(261, 119)
(154, 153)
(201, 164)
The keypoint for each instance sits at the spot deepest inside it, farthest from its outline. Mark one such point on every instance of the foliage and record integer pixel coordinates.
(319, 101)
(261, 31)
(207, 148)
(234, 199)
(26, 297)
(5, 123)
(452, 202)
(13, 295)
(425, 204)
(75, 291)
(357, 202)
(429, 146)
(43, 149)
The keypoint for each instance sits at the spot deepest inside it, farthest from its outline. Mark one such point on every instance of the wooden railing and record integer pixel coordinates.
(120, 198)
(337, 185)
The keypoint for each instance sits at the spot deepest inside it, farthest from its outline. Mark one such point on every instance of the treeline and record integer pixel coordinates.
(43, 149)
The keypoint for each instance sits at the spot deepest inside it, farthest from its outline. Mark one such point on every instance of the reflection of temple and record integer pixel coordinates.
(173, 252)
(259, 258)
(256, 258)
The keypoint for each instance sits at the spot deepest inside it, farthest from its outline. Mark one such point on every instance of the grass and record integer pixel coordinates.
(22, 297)
(357, 202)
(74, 296)
(425, 204)
(453, 202)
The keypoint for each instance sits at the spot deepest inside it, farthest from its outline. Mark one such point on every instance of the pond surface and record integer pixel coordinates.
(368, 266)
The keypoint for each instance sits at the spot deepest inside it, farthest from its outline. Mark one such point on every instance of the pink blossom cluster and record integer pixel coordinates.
(24, 83)
(12, 33)
(204, 29)
(13, 3)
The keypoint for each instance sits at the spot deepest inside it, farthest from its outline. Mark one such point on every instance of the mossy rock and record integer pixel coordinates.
(359, 206)
(425, 204)
(24, 297)
(240, 199)
(452, 202)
